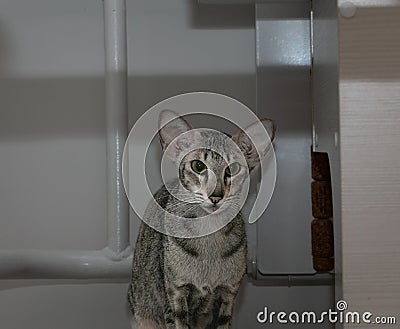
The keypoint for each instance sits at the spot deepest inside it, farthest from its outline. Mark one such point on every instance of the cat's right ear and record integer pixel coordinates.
(253, 142)
(171, 125)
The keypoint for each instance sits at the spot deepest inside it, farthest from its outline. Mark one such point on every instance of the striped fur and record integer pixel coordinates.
(190, 283)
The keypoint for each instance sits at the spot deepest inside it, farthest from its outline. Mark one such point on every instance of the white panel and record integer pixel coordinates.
(325, 96)
(52, 177)
(51, 38)
(370, 159)
(178, 37)
(48, 304)
(283, 80)
(253, 298)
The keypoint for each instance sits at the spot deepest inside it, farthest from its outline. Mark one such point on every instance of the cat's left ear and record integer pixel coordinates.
(171, 126)
(254, 140)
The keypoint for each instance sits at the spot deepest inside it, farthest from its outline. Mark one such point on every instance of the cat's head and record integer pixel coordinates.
(212, 166)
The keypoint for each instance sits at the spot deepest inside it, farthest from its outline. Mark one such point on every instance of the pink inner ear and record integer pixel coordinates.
(169, 133)
(259, 141)
(170, 129)
(261, 134)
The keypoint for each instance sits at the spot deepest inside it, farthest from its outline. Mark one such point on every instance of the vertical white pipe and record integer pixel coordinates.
(116, 121)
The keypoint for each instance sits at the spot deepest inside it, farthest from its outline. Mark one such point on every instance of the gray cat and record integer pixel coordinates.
(182, 283)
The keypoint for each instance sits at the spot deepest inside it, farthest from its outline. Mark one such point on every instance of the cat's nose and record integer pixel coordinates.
(215, 198)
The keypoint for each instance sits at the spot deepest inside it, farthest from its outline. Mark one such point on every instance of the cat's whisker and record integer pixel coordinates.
(182, 198)
(186, 200)
(190, 209)
(172, 194)
(178, 206)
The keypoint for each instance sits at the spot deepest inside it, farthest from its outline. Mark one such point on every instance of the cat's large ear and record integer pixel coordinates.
(262, 143)
(171, 125)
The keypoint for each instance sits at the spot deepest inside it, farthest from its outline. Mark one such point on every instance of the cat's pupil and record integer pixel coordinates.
(198, 166)
(232, 169)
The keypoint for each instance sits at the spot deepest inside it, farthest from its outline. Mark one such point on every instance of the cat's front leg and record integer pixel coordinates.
(178, 317)
(226, 296)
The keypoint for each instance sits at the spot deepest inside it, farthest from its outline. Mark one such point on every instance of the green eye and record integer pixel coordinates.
(198, 166)
(233, 169)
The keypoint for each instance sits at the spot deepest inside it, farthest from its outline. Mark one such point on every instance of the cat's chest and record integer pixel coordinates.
(203, 262)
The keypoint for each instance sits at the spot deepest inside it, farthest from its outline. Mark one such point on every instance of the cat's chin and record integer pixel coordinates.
(211, 209)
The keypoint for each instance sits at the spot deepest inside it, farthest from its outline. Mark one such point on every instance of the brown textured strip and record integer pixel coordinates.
(323, 264)
(322, 238)
(320, 169)
(322, 209)
(321, 196)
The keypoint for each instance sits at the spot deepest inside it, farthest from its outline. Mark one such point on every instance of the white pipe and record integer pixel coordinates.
(113, 261)
(66, 264)
(305, 279)
(116, 121)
